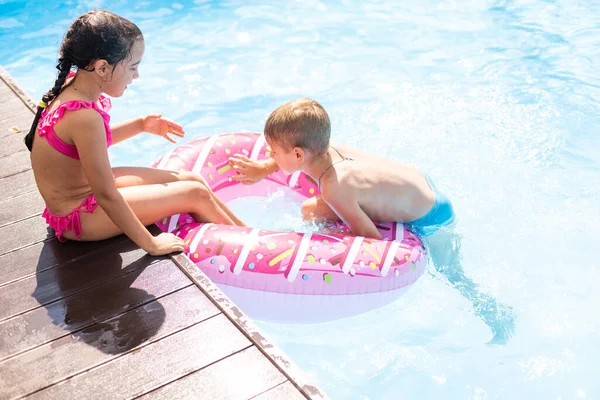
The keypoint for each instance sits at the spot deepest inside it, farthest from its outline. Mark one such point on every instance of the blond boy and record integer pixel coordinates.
(356, 186)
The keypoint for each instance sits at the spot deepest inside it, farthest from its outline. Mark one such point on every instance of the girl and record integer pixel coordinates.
(70, 135)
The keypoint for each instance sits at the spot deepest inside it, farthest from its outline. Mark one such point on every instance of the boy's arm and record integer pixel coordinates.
(344, 204)
(250, 171)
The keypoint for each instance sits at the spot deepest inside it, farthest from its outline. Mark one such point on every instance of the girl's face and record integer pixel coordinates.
(125, 72)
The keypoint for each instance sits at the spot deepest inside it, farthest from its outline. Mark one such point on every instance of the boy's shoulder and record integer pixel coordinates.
(337, 185)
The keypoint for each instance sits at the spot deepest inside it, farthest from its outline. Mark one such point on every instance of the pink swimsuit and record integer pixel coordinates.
(71, 221)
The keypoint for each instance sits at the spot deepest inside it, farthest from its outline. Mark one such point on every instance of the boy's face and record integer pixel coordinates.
(287, 160)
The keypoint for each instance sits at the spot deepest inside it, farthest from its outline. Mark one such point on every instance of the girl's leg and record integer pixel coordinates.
(136, 176)
(150, 203)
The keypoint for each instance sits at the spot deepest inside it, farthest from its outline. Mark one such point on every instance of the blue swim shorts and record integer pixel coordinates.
(440, 215)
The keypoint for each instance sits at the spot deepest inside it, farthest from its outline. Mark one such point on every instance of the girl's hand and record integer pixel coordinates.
(157, 125)
(165, 243)
(250, 171)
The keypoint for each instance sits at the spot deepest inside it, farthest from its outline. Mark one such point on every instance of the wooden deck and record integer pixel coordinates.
(104, 319)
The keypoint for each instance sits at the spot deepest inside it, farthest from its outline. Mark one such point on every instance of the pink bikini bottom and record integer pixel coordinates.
(71, 221)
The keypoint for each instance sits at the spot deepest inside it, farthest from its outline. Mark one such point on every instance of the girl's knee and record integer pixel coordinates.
(192, 177)
(199, 191)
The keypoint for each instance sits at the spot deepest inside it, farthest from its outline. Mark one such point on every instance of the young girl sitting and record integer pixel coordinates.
(85, 198)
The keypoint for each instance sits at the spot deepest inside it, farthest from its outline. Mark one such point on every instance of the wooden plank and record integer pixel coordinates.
(116, 338)
(13, 130)
(13, 108)
(46, 324)
(15, 114)
(14, 163)
(159, 362)
(6, 94)
(17, 184)
(74, 277)
(15, 119)
(11, 144)
(23, 233)
(48, 254)
(18, 122)
(21, 207)
(39, 257)
(240, 376)
(15, 126)
(285, 391)
(10, 101)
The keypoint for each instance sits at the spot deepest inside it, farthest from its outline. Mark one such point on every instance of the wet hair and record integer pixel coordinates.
(300, 123)
(96, 35)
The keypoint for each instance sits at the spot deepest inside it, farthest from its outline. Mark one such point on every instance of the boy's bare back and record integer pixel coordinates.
(384, 189)
(356, 187)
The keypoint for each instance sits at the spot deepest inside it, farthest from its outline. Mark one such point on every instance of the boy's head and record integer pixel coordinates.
(301, 123)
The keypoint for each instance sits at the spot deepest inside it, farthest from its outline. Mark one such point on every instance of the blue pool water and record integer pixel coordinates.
(497, 100)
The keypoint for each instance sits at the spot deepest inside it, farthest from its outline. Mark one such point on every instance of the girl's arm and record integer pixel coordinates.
(153, 123)
(125, 130)
(90, 139)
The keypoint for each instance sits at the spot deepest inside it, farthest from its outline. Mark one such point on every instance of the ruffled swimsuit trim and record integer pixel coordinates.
(71, 221)
(49, 119)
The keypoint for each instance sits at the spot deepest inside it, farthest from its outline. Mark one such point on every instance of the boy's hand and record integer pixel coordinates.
(157, 125)
(250, 171)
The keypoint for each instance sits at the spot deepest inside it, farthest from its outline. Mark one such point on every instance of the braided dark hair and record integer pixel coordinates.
(96, 35)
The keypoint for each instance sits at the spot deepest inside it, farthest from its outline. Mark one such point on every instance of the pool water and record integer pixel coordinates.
(497, 100)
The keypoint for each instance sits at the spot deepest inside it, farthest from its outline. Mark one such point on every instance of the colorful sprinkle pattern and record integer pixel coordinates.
(284, 262)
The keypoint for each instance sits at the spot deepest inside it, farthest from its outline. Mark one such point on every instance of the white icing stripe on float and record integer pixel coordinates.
(337, 239)
(197, 237)
(248, 243)
(302, 249)
(257, 146)
(354, 249)
(389, 258)
(204, 153)
(398, 230)
(163, 161)
(272, 235)
(294, 179)
(173, 223)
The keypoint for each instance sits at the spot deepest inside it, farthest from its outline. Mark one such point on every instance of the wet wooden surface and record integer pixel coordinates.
(104, 319)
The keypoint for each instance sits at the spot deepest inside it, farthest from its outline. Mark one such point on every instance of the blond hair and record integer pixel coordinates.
(300, 123)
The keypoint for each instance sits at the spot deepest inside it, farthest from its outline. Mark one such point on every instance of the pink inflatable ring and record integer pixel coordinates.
(288, 276)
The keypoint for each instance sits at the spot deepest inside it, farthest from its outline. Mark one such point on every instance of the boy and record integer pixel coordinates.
(356, 187)
(359, 188)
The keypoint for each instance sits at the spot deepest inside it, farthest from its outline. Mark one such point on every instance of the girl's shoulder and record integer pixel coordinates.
(64, 109)
(85, 123)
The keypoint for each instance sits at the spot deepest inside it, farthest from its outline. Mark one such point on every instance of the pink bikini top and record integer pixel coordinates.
(49, 118)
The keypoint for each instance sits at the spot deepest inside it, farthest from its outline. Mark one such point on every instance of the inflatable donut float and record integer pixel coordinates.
(288, 276)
